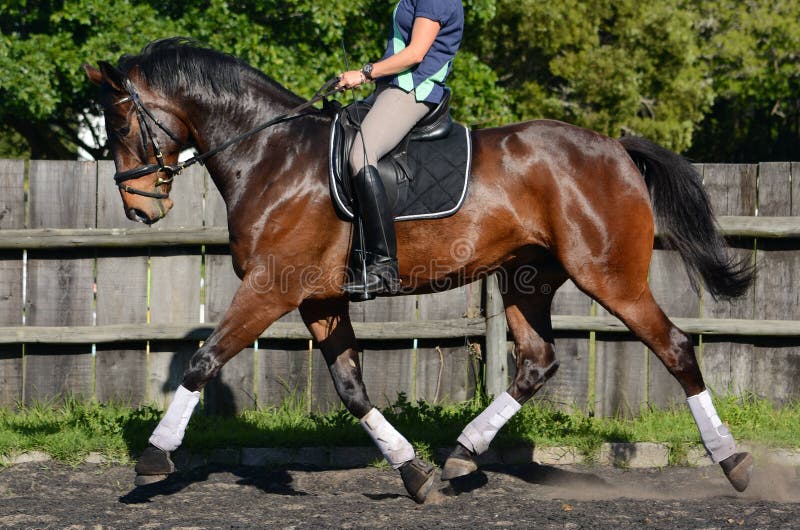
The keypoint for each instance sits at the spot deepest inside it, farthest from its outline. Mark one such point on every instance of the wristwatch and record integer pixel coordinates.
(367, 71)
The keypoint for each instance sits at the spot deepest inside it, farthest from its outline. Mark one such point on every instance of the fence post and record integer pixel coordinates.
(496, 339)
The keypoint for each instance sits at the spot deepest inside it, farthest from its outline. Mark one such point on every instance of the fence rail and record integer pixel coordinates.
(730, 226)
(429, 329)
(91, 306)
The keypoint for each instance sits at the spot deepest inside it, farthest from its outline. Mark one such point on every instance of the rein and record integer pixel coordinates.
(142, 113)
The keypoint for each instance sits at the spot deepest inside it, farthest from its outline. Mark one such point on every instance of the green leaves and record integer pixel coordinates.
(721, 75)
(612, 67)
(753, 50)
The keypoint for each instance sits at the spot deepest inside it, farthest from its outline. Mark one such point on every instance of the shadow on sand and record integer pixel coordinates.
(278, 482)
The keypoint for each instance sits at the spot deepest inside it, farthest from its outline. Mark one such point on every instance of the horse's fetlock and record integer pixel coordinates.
(531, 377)
(203, 367)
(204, 363)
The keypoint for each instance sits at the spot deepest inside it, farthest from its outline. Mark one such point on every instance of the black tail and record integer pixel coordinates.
(684, 217)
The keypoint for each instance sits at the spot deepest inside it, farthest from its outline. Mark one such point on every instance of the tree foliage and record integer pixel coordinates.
(720, 78)
(753, 51)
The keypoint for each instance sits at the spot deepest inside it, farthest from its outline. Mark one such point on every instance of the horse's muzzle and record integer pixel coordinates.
(148, 216)
(135, 214)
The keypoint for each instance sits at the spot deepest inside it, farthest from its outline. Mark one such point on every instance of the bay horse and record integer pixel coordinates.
(570, 202)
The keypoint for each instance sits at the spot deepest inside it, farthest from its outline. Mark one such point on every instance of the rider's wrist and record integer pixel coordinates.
(366, 71)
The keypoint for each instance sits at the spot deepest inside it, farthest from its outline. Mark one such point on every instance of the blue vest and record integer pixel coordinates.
(427, 78)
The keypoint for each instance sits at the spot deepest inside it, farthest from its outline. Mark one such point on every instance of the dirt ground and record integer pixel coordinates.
(51, 495)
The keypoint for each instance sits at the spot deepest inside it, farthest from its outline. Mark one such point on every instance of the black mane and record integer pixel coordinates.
(180, 64)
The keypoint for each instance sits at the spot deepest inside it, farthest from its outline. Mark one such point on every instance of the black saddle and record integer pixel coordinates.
(425, 176)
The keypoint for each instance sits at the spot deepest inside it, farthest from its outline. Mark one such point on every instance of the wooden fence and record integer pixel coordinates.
(94, 307)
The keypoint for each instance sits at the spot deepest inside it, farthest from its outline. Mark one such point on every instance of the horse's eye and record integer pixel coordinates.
(123, 131)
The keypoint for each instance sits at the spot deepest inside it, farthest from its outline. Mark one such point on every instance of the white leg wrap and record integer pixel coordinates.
(481, 431)
(391, 443)
(715, 435)
(169, 433)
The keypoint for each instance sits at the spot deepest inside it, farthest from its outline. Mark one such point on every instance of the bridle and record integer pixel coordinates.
(142, 113)
(170, 170)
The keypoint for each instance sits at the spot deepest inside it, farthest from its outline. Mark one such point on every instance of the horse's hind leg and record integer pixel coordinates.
(329, 323)
(630, 299)
(674, 348)
(528, 316)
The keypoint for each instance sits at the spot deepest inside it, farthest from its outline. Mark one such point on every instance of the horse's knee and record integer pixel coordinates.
(349, 384)
(203, 366)
(532, 374)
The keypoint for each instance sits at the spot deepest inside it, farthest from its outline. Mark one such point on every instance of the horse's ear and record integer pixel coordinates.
(114, 77)
(94, 75)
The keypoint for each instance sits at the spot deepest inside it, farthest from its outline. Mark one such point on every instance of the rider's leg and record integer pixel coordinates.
(392, 116)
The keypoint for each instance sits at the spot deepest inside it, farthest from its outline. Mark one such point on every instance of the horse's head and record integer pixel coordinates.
(145, 134)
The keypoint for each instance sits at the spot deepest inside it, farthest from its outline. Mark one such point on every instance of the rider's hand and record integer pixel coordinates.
(351, 79)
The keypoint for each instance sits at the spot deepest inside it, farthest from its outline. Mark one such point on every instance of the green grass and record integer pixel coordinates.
(70, 431)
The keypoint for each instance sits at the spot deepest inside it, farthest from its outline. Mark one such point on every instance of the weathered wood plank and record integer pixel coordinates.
(62, 195)
(450, 358)
(120, 369)
(727, 366)
(569, 388)
(287, 369)
(770, 227)
(775, 227)
(620, 385)
(12, 216)
(283, 373)
(434, 329)
(233, 390)
(795, 189)
(175, 287)
(53, 238)
(388, 366)
(496, 356)
(776, 366)
(777, 289)
(281, 330)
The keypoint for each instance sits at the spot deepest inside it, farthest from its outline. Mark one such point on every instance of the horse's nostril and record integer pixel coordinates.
(135, 214)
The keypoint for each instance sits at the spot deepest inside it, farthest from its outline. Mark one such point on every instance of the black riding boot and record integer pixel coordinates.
(380, 243)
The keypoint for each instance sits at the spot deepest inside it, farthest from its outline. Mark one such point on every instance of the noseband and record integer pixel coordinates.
(170, 170)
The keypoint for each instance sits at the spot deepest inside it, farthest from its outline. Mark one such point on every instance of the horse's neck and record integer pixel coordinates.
(259, 103)
(217, 124)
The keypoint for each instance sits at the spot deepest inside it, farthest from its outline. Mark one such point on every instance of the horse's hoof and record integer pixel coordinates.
(459, 464)
(146, 480)
(417, 478)
(738, 468)
(153, 466)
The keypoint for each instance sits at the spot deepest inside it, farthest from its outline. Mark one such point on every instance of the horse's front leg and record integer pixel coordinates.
(329, 323)
(251, 311)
